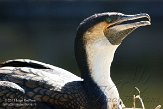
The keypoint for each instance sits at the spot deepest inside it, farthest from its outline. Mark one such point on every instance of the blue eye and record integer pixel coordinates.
(108, 19)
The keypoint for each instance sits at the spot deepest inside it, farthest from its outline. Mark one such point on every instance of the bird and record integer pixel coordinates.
(30, 84)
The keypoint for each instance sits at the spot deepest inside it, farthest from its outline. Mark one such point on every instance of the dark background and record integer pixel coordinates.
(45, 31)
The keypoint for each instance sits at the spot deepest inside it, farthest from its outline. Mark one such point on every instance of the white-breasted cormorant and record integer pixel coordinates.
(32, 84)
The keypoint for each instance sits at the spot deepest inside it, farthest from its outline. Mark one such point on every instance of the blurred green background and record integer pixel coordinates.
(45, 31)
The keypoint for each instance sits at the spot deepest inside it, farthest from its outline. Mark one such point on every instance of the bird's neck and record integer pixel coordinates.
(100, 55)
(94, 54)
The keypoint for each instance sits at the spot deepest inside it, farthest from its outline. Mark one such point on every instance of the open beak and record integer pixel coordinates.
(123, 20)
(124, 25)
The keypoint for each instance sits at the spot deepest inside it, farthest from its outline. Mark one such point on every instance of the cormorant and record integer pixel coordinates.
(29, 84)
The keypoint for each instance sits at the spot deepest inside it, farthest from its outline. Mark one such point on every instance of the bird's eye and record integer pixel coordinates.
(108, 19)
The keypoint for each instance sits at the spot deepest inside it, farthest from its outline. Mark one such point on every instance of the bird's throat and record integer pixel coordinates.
(100, 55)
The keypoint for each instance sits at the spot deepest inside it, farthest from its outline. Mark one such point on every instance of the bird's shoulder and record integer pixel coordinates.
(43, 82)
(38, 68)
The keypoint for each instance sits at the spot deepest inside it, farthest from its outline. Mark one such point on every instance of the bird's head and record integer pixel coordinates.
(112, 25)
(105, 30)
